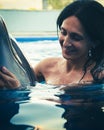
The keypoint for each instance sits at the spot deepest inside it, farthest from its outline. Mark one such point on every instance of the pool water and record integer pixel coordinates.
(48, 107)
(36, 51)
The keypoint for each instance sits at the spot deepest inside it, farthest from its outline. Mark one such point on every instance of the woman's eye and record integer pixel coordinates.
(76, 37)
(63, 32)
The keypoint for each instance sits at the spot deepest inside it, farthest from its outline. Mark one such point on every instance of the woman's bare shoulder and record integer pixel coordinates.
(47, 62)
(50, 60)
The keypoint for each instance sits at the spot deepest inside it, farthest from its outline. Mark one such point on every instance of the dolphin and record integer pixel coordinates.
(13, 59)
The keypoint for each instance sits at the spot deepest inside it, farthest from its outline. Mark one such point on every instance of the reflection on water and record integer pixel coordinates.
(47, 107)
(53, 108)
(84, 109)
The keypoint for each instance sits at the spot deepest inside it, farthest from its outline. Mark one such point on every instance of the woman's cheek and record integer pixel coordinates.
(61, 42)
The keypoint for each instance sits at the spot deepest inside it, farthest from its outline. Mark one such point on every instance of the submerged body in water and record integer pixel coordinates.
(50, 107)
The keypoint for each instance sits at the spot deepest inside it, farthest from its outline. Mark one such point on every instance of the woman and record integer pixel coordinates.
(80, 28)
(81, 36)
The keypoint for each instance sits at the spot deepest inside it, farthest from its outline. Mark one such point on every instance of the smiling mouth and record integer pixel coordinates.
(69, 50)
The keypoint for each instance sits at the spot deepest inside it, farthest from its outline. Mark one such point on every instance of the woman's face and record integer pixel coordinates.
(72, 38)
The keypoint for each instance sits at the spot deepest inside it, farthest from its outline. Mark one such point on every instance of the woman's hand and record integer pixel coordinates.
(8, 80)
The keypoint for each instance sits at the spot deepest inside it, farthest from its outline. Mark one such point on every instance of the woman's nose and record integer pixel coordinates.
(67, 41)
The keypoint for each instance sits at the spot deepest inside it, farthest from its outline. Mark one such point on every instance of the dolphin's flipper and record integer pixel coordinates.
(12, 57)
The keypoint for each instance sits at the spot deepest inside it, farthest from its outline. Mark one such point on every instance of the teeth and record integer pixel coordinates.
(69, 45)
(69, 48)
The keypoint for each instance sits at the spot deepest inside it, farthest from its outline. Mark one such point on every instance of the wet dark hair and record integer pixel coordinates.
(91, 15)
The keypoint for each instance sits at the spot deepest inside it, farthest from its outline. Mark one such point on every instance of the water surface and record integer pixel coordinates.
(48, 107)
